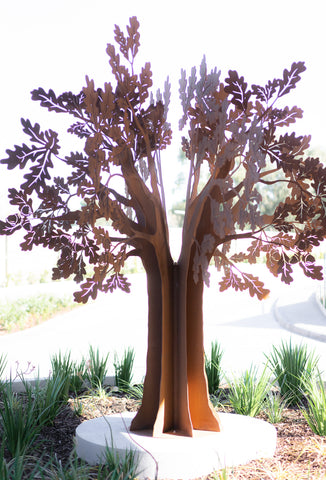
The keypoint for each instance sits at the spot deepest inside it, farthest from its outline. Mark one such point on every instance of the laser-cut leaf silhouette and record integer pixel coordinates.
(237, 87)
(65, 103)
(267, 92)
(290, 78)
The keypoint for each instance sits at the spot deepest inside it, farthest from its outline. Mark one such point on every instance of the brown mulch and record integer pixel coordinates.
(300, 454)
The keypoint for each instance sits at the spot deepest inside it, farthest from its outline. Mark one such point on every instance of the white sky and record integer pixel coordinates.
(54, 44)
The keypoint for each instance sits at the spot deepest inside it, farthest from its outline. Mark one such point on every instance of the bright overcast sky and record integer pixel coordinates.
(54, 44)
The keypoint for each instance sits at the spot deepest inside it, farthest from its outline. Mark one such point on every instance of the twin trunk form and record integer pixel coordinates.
(176, 395)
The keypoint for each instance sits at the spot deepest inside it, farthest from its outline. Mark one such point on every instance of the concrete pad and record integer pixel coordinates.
(176, 457)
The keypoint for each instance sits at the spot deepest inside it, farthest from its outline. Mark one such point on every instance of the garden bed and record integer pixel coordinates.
(300, 454)
(41, 421)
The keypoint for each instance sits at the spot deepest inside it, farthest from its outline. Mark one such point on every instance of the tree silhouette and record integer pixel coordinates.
(234, 133)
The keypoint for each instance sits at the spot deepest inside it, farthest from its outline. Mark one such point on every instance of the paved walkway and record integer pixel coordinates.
(246, 328)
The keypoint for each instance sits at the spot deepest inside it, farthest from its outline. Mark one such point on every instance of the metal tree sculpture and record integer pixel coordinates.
(233, 131)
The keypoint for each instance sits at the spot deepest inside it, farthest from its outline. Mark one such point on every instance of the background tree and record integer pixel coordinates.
(118, 178)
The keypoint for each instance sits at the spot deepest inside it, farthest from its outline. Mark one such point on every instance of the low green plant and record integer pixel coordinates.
(15, 468)
(101, 392)
(315, 412)
(78, 376)
(115, 466)
(62, 366)
(3, 364)
(274, 407)
(77, 406)
(47, 399)
(20, 312)
(247, 394)
(74, 469)
(292, 366)
(96, 368)
(19, 420)
(124, 369)
(213, 367)
(222, 474)
(73, 372)
(136, 391)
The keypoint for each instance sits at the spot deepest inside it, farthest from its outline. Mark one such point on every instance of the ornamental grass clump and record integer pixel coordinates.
(315, 411)
(274, 407)
(118, 467)
(47, 398)
(20, 421)
(124, 369)
(3, 364)
(293, 367)
(74, 469)
(16, 468)
(136, 391)
(213, 368)
(74, 372)
(247, 394)
(96, 368)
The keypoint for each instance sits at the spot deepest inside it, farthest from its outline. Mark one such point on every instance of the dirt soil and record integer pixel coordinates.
(300, 454)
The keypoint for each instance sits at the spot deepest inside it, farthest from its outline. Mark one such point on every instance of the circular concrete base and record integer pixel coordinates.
(176, 457)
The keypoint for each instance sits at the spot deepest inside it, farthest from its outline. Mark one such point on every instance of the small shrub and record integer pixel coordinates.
(96, 368)
(213, 368)
(123, 369)
(247, 394)
(315, 412)
(292, 366)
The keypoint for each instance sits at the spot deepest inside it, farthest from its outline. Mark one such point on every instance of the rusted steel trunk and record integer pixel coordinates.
(175, 389)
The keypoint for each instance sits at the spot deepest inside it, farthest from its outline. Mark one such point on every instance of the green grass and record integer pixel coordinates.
(75, 469)
(15, 468)
(315, 412)
(3, 364)
(292, 366)
(47, 398)
(213, 368)
(119, 467)
(123, 369)
(73, 372)
(23, 312)
(247, 394)
(19, 421)
(274, 406)
(96, 368)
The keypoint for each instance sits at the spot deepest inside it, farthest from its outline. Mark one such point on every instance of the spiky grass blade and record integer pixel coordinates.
(247, 393)
(292, 365)
(97, 368)
(124, 369)
(213, 367)
(315, 412)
